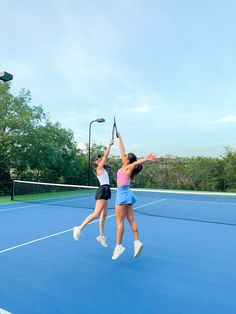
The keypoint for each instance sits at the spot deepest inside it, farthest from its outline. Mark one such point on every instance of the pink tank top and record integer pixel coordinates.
(122, 179)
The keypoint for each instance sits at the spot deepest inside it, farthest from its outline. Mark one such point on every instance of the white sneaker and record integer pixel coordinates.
(102, 240)
(138, 246)
(119, 249)
(76, 233)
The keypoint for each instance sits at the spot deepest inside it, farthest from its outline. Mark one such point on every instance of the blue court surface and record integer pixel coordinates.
(186, 266)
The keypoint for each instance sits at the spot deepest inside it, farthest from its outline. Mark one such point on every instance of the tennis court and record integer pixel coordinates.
(187, 265)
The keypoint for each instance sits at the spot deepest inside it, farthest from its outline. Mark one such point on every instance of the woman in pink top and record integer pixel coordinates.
(125, 199)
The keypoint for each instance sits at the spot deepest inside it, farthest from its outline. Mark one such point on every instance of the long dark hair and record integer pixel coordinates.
(132, 158)
(107, 167)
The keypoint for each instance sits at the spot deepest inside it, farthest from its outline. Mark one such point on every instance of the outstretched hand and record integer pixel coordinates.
(111, 142)
(151, 157)
(118, 135)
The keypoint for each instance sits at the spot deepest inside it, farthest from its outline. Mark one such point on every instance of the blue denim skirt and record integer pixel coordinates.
(125, 196)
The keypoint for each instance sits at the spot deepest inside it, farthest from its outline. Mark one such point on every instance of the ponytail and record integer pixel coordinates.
(132, 158)
(136, 171)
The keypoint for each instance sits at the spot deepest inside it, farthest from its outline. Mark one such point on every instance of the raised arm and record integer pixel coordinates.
(106, 154)
(121, 146)
(140, 161)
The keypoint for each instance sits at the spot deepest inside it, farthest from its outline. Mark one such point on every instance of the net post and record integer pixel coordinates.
(12, 190)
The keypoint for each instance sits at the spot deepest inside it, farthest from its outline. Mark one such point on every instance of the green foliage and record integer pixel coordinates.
(5, 178)
(229, 166)
(47, 152)
(33, 148)
(196, 173)
(16, 119)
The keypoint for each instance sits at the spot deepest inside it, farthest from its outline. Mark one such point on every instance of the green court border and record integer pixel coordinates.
(5, 199)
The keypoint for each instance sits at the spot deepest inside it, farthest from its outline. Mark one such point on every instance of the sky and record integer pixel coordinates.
(165, 69)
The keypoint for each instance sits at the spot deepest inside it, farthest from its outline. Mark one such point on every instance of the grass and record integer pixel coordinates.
(5, 199)
(46, 195)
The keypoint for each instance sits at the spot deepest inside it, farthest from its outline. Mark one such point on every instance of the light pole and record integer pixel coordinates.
(5, 76)
(99, 120)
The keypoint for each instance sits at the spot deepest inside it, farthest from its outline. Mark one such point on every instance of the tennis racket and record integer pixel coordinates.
(114, 129)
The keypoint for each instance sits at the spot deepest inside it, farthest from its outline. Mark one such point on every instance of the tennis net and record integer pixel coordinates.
(209, 207)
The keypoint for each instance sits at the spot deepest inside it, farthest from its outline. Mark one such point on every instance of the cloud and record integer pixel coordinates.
(137, 145)
(81, 146)
(227, 119)
(138, 103)
(142, 109)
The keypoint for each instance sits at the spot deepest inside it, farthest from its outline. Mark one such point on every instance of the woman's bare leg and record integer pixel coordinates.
(120, 217)
(138, 246)
(103, 216)
(98, 209)
(132, 222)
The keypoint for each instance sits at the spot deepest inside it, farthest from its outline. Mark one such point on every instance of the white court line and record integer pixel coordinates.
(19, 207)
(65, 231)
(43, 238)
(52, 199)
(52, 203)
(161, 200)
(198, 201)
(2, 311)
(86, 196)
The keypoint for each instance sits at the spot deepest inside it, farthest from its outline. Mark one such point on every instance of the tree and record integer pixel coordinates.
(229, 165)
(31, 147)
(46, 153)
(16, 119)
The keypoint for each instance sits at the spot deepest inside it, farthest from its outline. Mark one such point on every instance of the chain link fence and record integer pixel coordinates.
(177, 175)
